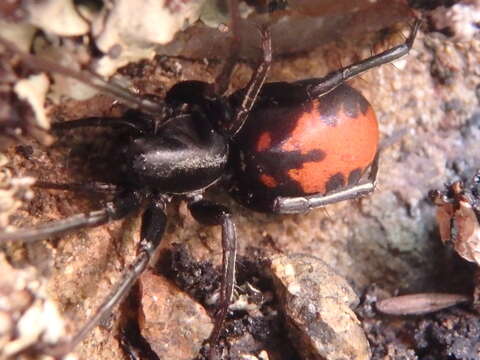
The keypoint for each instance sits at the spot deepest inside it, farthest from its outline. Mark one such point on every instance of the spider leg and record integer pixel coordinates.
(223, 79)
(201, 93)
(116, 209)
(154, 221)
(89, 78)
(301, 204)
(196, 92)
(209, 213)
(319, 87)
(99, 122)
(250, 94)
(91, 187)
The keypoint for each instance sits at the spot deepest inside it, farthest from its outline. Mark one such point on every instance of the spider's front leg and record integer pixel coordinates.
(91, 79)
(211, 214)
(109, 122)
(229, 113)
(250, 93)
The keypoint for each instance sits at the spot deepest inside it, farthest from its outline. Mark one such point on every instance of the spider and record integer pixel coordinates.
(277, 147)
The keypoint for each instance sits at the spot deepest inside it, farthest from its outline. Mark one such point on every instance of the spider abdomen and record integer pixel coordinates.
(313, 146)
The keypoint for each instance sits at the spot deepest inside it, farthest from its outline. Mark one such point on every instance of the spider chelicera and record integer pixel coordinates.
(277, 147)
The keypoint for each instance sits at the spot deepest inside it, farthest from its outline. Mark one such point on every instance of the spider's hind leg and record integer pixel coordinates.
(321, 86)
(301, 204)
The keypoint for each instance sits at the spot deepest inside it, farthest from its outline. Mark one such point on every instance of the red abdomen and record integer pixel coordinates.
(304, 147)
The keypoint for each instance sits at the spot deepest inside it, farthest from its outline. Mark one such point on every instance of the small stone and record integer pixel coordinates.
(57, 16)
(20, 300)
(34, 91)
(263, 355)
(6, 323)
(173, 324)
(29, 319)
(318, 312)
(154, 23)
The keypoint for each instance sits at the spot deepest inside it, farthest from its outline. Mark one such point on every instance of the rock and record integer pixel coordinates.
(317, 306)
(34, 90)
(57, 16)
(29, 320)
(173, 324)
(134, 37)
(13, 191)
(449, 335)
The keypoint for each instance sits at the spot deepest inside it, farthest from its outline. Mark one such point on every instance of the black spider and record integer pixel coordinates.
(193, 139)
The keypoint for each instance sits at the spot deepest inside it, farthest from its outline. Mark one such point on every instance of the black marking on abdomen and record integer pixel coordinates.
(343, 98)
(335, 182)
(277, 164)
(354, 176)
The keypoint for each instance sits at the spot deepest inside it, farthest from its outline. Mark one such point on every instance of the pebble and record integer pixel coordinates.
(317, 304)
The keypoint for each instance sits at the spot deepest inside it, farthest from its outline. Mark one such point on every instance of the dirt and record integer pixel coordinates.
(449, 334)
